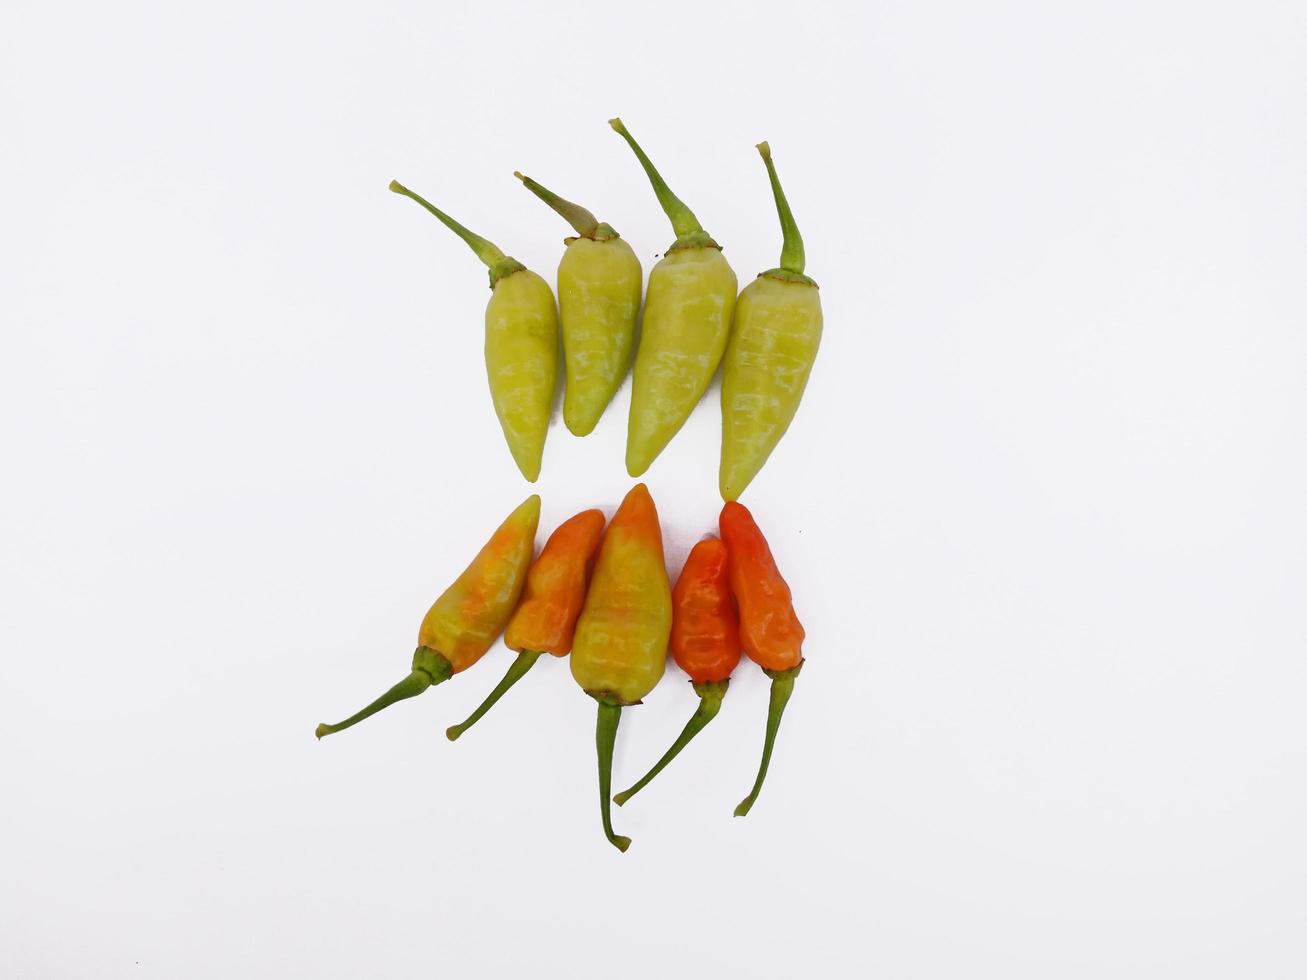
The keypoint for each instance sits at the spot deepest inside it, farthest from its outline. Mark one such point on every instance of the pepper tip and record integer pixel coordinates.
(453, 732)
(320, 731)
(616, 123)
(621, 843)
(764, 150)
(518, 175)
(622, 797)
(742, 810)
(397, 187)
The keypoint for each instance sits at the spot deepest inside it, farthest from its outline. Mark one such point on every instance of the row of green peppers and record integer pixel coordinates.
(604, 596)
(767, 338)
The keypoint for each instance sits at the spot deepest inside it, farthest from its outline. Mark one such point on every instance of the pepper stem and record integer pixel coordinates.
(497, 262)
(710, 702)
(792, 258)
(429, 669)
(516, 671)
(605, 735)
(585, 223)
(684, 223)
(782, 686)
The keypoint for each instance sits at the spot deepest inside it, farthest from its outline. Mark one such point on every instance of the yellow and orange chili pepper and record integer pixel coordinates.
(770, 632)
(469, 615)
(551, 602)
(620, 647)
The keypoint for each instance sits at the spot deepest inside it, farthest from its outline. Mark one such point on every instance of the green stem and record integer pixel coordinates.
(684, 223)
(429, 669)
(710, 702)
(792, 258)
(585, 223)
(516, 671)
(782, 686)
(605, 735)
(497, 262)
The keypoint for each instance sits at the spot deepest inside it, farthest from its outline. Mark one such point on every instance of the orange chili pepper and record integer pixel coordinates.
(705, 641)
(469, 615)
(770, 632)
(551, 602)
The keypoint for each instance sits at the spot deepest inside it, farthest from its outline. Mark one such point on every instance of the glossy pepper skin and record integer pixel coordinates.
(705, 641)
(773, 345)
(551, 602)
(770, 632)
(469, 615)
(521, 345)
(687, 319)
(620, 647)
(599, 286)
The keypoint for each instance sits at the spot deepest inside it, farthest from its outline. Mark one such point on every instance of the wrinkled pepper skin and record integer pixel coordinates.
(620, 647)
(522, 364)
(599, 285)
(599, 282)
(770, 632)
(705, 640)
(521, 344)
(687, 321)
(551, 601)
(469, 615)
(545, 619)
(774, 343)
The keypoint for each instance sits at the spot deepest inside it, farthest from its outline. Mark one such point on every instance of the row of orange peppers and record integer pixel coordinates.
(604, 596)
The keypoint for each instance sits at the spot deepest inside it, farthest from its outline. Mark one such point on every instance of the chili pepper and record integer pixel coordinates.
(469, 615)
(687, 317)
(773, 345)
(705, 641)
(599, 280)
(521, 344)
(551, 601)
(620, 647)
(770, 632)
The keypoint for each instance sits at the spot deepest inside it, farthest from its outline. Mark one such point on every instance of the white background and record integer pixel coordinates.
(1042, 508)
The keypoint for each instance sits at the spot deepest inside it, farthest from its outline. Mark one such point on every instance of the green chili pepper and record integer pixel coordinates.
(599, 280)
(773, 345)
(687, 318)
(521, 344)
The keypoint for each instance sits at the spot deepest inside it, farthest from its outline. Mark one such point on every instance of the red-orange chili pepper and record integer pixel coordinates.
(770, 631)
(705, 642)
(551, 602)
(462, 624)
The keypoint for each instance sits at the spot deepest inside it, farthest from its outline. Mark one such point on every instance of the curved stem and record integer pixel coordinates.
(605, 735)
(497, 262)
(585, 223)
(410, 687)
(782, 686)
(710, 702)
(516, 671)
(683, 220)
(792, 258)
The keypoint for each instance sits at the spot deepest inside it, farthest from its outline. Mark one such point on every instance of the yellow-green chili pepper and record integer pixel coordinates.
(599, 280)
(619, 649)
(469, 615)
(521, 344)
(687, 318)
(773, 345)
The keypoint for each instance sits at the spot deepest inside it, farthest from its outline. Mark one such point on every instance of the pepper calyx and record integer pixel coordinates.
(433, 663)
(693, 239)
(502, 268)
(785, 275)
(610, 697)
